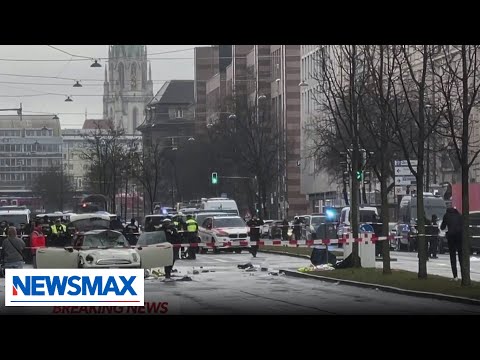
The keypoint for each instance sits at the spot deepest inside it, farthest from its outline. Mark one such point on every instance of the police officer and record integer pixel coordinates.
(173, 238)
(297, 228)
(191, 236)
(254, 225)
(130, 232)
(46, 228)
(59, 233)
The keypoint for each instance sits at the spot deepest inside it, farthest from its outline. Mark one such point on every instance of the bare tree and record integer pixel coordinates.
(148, 170)
(340, 80)
(408, 116)
(55, 188)
(104, 151)
(456, 71)
(250, 136)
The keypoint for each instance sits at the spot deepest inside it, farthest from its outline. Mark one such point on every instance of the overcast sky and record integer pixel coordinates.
(30, 91)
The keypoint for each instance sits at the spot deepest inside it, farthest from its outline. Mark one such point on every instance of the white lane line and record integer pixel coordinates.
(221, 260)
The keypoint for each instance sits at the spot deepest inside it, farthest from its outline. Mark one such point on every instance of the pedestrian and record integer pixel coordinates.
(454, 222)
(173, 238)
(3, 228)
(434, 238)
(297, 228)
(13, 247)
(37, 241)
(116, 224)
(254, 224)
(131, 232)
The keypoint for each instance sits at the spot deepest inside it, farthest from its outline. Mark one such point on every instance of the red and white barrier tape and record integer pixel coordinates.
(365, 238)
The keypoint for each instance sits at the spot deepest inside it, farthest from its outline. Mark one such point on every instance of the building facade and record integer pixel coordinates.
(29, 145)
(127, 89)
(270, 73)
(318, 185)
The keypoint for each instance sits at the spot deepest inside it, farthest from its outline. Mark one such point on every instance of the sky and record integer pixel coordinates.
(40, 94)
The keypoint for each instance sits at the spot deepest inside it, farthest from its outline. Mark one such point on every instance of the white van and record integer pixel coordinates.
(16, 217)
(367, 214)
(222, 204)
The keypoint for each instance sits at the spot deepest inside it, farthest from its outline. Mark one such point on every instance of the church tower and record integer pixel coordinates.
(126, 89)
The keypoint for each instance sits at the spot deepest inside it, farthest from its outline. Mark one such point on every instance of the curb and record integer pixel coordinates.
(290, 254)
(391, 289)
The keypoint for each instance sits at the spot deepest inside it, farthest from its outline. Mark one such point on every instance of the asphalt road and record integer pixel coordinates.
(441, 266)
(225, 289)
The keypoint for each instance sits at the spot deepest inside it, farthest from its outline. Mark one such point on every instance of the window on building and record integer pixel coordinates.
(179, 113)
(133, 77)
(121, 75)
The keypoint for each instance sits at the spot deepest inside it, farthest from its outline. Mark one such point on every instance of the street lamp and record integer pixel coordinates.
(233, 116)
(96, 64)
(209, 125)
(77, 84)
(191, 139)
(303, 83)
(261, 97)
(68, 99)
(55, 117)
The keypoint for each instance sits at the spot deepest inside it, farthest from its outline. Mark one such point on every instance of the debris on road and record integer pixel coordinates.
(245, 266)
(185, 278)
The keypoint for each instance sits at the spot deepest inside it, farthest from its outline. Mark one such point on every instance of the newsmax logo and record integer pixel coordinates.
(74, 287)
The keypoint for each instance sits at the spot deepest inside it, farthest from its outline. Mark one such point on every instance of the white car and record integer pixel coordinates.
(96, 246)
(220, 229)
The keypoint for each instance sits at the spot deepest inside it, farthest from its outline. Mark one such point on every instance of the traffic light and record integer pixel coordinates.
(214, 178)
(359, 175)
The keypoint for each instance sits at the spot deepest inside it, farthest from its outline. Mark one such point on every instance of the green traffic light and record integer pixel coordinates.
(359, 175)
(214, 178)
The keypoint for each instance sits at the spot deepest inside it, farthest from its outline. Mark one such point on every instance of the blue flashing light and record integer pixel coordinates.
(330, 213)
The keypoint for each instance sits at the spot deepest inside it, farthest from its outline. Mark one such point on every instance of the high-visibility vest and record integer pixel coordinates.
(192, 225)
(54, 229)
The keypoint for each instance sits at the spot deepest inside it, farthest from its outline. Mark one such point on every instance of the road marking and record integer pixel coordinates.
(221, 260)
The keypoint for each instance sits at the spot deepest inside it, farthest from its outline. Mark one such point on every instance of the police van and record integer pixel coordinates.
(408, 215)
(223, 204)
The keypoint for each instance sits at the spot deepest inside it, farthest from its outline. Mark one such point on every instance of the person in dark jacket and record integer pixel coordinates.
(297, 228)
(454, 222)
(149, 227)
(116, 224)
(255, 225)
(13, 250)
(173, 238)
(434, 238)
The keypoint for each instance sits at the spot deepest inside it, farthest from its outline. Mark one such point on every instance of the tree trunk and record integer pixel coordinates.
(421, 239)
(354, 209)
(385, 215)
(384, 165)
(465, 267)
